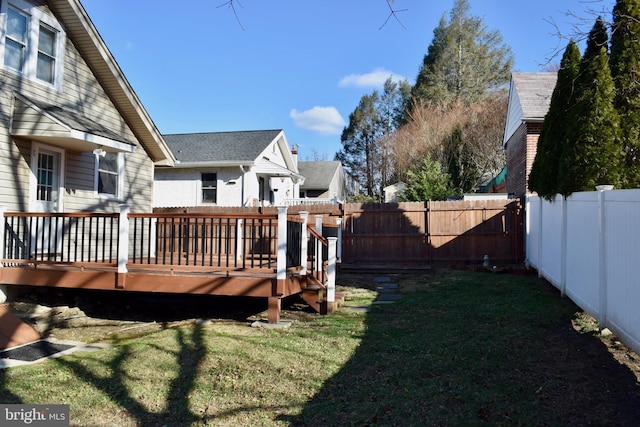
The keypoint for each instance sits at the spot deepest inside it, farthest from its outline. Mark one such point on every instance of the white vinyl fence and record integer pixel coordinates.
(588, 246)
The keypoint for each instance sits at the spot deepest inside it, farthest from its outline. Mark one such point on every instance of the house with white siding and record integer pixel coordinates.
(242, 168)
(323, 180)
(74, 136)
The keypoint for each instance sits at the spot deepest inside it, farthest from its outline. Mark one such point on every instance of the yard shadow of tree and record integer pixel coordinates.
(423, 363)
(191, 353)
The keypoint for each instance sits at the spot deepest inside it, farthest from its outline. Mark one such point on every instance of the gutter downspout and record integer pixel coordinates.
(242, 191)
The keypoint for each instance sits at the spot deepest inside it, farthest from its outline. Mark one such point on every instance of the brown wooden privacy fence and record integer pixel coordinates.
(423, 233)
(413, 233)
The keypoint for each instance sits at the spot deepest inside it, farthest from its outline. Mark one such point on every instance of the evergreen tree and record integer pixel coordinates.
(460, 167)
(625, 69)
(464, 61)
(359, 142)
(428, 182)
(591, 155)
(543, 178)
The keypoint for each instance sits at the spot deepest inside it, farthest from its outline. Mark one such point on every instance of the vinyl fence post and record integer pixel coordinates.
(239, 237)
(123, 238)
(319, 248)
(602, 252)
(281, 275)
(304, 243)
(339, 242)
(563, 247)
(331, 272)
(3, 238)
(3, 288)
(540, 224)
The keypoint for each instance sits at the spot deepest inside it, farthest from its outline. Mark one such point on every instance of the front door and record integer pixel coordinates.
(47, 182)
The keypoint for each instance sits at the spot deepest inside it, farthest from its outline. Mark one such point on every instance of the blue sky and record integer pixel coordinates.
(298, 65)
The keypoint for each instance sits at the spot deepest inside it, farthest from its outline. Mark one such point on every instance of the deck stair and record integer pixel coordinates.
(314, 293)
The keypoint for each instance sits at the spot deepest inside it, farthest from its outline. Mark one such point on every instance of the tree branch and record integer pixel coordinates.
(393, 13)
(232, 6)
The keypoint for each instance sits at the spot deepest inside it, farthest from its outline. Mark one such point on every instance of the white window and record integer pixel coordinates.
(109, 179)
(209, 188)
(32, 42)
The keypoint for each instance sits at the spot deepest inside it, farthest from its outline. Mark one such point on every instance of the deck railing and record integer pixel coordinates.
(273, 242)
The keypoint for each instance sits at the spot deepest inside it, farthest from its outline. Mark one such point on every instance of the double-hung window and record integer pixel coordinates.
(32, 42)
(209, 188)
(110, 169)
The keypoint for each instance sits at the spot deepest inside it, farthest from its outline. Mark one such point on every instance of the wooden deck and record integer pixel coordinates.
(265, 256)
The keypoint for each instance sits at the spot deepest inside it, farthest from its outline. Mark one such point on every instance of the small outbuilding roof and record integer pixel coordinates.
(318, 175)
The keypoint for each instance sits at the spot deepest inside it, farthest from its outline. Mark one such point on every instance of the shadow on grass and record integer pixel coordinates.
(475, 349)
(192, 351)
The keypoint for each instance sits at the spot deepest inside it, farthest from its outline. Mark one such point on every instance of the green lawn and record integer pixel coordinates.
(459, 348)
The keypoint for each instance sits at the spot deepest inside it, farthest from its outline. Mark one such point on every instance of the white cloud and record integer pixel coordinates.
(323, 120)
(376, 78)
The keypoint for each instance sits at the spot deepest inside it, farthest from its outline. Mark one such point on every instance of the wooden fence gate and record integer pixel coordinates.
(425, 233)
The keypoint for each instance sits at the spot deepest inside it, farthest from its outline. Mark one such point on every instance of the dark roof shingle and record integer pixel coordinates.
(317, 175)
(239, 146)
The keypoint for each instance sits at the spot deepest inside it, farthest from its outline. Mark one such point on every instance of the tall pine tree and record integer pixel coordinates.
(625, 69)
(464, 61)
(543, 178)
(591, 155)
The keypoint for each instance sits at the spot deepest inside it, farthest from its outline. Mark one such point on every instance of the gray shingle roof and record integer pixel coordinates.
(317, 175)
(239, 146)
(534, 91)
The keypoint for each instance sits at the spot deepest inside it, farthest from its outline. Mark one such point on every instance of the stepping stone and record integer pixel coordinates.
(359, 309)
(387, 287)
(283, 324)
(382, 302)
(388, 297)
(381, 279)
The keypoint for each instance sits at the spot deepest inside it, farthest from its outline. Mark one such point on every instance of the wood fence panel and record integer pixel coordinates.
(432, 232)
(384, 233)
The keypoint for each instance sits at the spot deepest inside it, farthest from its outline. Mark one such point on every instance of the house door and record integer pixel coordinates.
(47, 183)
(48, 197)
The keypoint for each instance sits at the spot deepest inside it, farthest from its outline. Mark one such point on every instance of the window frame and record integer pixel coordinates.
(118, 173)
(208, 187)
(36, 19)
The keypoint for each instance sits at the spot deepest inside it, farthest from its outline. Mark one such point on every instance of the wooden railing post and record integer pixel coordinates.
(3, 288)
(3, 209)
(339, 242)
(239, 237)
(282, 246)
(319, 262)
(331, 272)
(273, 311)
(304, 244)
(123, 244)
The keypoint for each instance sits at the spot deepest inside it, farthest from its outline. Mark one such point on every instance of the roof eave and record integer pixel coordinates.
(104, 66)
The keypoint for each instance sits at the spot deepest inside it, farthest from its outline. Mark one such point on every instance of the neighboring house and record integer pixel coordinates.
(323, 180)
(392, 192)
(529, 97)
(244, 168)
(73, 135)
